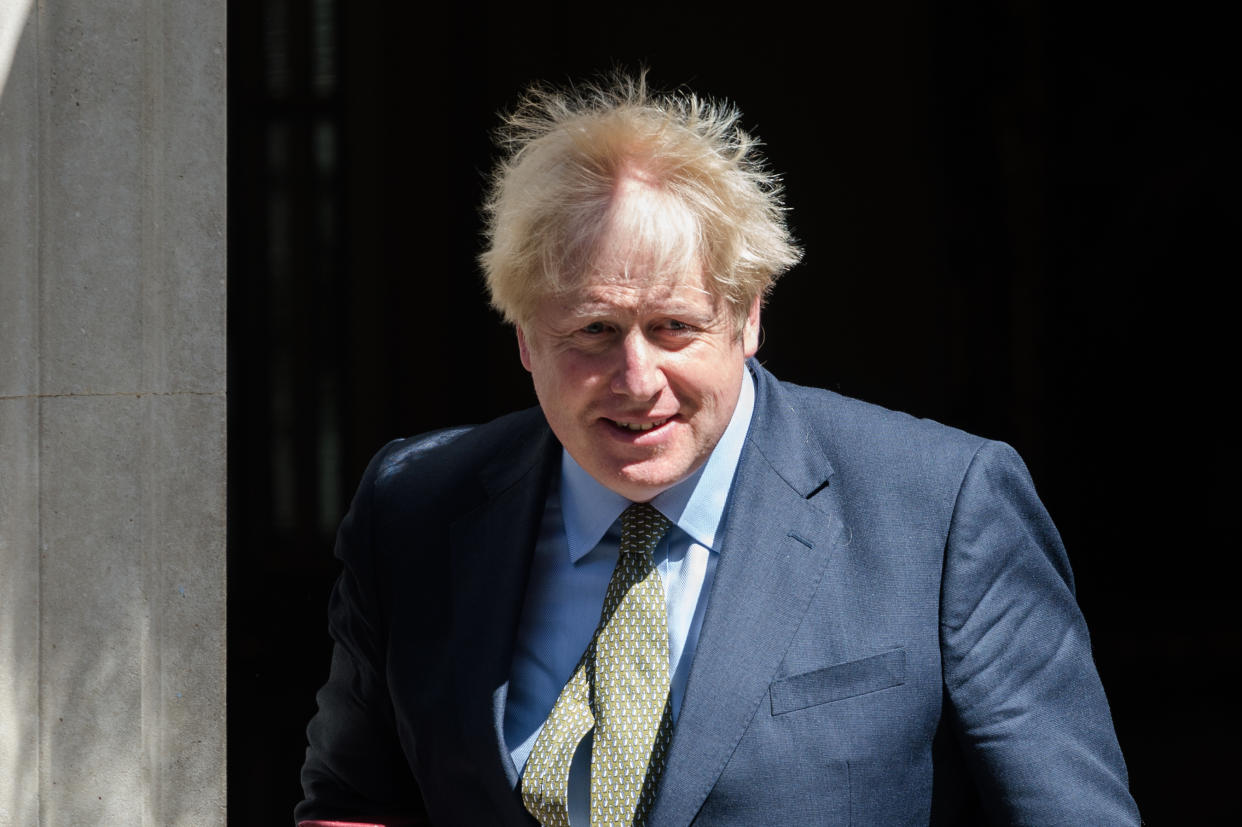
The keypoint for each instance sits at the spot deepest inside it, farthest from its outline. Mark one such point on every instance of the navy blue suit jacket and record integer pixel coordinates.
(891, 637)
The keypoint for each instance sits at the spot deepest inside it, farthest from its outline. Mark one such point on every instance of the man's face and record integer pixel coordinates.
(637, 372)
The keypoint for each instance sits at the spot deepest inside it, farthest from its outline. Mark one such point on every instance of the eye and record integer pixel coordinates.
(594, 328)
(678, 326)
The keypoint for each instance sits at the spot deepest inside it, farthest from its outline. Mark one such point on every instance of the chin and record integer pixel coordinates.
(641, 484)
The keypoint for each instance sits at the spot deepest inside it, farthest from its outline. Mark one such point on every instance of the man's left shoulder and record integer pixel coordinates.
(846, 429)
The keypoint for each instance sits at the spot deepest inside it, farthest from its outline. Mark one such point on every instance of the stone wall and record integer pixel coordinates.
(112, 412)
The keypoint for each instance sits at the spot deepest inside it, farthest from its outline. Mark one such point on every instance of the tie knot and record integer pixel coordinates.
(641, 528)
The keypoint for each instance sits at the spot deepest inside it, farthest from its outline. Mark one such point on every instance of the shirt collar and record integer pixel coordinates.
(695, 505)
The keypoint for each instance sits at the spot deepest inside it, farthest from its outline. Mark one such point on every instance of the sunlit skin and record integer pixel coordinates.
(638, 372)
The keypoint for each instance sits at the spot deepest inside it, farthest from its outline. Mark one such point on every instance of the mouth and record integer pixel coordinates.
(639, 427)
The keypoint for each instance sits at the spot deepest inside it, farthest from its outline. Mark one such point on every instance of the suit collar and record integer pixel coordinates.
(531, 448)
(795, 451)
(491, 549)
(781, 526)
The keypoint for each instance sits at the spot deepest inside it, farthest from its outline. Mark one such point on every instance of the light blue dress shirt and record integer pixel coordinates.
(574, 557)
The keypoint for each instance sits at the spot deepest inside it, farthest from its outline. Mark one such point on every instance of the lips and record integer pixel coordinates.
(640, 426)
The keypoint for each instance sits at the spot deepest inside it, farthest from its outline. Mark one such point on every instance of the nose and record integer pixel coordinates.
(639, 372)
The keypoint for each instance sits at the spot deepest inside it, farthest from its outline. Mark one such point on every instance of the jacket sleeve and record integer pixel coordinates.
(1026, 698)
(355, 769)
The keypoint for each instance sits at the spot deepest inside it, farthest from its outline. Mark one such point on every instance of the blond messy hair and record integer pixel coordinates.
(563, 155)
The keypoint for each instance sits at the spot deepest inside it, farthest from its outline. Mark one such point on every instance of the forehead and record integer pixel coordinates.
(634, 291)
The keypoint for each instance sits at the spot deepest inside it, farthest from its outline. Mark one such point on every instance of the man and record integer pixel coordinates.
(681, 591)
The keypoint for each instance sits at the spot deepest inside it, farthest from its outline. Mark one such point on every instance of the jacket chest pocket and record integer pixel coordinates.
(838, 682)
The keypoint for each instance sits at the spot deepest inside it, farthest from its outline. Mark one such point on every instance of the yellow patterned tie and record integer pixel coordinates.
(621, 688)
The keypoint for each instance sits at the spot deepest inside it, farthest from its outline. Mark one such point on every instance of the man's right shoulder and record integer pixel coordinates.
(453, 458)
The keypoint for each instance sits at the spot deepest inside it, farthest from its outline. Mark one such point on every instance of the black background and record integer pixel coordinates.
(1019, 219)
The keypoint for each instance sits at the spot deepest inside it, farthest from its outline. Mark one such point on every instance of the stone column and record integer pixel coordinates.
(112, 412)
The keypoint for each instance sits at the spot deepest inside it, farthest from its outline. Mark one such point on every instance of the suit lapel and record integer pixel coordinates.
(775, 547)
(492, 548)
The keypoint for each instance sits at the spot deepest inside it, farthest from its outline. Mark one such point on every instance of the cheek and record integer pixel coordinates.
(578, 374)
(560, 383)
(713, 389)
(712, 379)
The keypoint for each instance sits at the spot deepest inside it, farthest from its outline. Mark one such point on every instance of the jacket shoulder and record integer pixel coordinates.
(854, 435)
(441, 466)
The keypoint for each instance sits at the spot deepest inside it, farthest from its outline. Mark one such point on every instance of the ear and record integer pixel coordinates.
(750, 330)
(523, 349)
